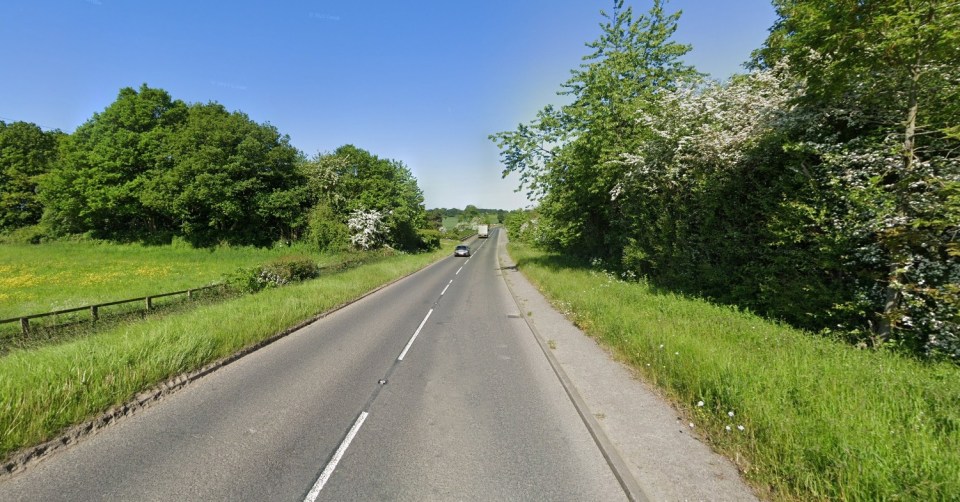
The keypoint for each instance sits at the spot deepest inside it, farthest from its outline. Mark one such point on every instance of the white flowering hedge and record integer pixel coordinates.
(821, 189)
(738, 179)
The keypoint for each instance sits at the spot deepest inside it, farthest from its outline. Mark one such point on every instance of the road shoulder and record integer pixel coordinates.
(661, 451)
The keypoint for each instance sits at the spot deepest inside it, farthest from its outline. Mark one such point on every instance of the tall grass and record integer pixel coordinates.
(804, 417)
(44, 390)
(59, 328)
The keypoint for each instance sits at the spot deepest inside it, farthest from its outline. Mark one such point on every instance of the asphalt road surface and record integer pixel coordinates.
(431, 389)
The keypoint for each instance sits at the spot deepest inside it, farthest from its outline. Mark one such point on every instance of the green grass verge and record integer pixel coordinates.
(820, 419)
(46, 390)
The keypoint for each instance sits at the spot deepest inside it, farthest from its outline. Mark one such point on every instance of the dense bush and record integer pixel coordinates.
(276, 273)
(523, 226)
(429, 239)
(33, 234)
(326, 231)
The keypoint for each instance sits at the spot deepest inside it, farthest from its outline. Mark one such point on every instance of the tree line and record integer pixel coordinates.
(468, 214)
(821, 188)
(151, 168)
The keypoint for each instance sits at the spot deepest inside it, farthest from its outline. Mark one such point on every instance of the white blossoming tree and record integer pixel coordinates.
(367, 229)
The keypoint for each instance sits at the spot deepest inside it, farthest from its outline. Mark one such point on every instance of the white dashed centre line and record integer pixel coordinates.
(414, 337)
(332, 465)
(328, 470)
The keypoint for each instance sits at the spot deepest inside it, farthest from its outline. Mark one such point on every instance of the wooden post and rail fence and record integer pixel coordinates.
(95, 309)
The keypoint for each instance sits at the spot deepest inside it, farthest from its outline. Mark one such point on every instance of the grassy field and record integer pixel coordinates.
(62, 275)
(805, 418)
(47, 389)
(450, 222)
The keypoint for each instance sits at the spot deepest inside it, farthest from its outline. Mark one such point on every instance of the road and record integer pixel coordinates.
(431, 389)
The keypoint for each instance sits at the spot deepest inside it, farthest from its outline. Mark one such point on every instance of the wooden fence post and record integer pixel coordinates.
(94, 312)
(25, 325)
(149, 303)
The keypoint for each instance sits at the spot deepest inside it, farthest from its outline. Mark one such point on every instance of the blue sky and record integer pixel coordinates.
(424, 82)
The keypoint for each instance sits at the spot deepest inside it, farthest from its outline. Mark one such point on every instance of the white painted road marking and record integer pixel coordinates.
(328, 470)
(414, 337)
(332, 465)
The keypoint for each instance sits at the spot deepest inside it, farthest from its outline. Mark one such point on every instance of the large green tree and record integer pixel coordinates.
(569, 157)
(26, 152)
(105, 164)
(149, 167)
(351, 179)
(225, 177)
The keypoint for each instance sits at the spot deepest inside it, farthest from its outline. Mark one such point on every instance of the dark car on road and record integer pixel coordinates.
(462, 251)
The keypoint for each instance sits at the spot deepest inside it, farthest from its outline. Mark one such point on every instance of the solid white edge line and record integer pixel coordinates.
(414, 337)
(446, 288)
(328, 470)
